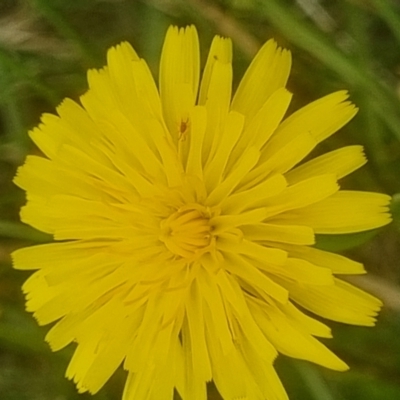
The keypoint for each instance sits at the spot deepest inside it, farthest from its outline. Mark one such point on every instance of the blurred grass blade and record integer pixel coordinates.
(20, 71)
(15, 128)
(16, 230)
(19, 331)
(316, 385)
(57, 19)
(312, 40)
(309, 38)
(389, 15)
(348, 241)
(395, 209)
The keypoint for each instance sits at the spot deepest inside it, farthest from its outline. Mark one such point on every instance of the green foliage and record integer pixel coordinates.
(46, 46)
(337, 243)
(396, 210)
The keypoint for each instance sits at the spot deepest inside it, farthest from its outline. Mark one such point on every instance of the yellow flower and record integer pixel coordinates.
(184, 222)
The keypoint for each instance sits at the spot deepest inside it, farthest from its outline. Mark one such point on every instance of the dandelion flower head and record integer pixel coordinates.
(184, 221)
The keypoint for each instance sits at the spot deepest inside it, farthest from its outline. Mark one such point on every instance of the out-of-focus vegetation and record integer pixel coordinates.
(46, 46)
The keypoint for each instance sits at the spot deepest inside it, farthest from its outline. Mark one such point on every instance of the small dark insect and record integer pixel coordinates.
(183, 129)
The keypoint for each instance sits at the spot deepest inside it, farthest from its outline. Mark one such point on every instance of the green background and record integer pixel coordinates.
(46, 46)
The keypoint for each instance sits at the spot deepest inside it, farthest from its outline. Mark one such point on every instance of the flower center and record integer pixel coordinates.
(187, 232)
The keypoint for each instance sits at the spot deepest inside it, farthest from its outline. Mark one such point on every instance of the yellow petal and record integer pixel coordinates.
(303, 271)
(340, 162)
(196, 331)
(54, 132)
(194, 165)
(280, 161)
(220, 53)
(231, 291)
(340, 302)
(215, 312)
(215, 90)
(234, 177)
(258, 131)
(41, 177)
(262, 254)
(132, 83)
(343, 212)
(263, 382)
(320, 119)
(179, 77)
(46, 255)
(291, 341)
(239, 267)
(138, 385)
(110, 350)
(303, 322)
(305, 193)
(194, 385)
(293, 234)
(268, 72)
(247, 199)
(335, 262)
(214, 170)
